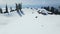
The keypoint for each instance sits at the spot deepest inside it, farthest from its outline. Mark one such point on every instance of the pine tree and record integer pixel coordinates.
(6, 9)
(59, 7)
(44, 7)
(10, 9)
(1, 10)
(16, 6)
(52, 9)
(56, 11)
(48, 8)
(20, 6)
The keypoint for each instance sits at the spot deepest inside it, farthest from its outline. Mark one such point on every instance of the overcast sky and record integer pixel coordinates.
(31, 2)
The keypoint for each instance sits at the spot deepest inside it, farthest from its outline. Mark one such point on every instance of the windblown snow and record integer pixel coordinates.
(12, 23)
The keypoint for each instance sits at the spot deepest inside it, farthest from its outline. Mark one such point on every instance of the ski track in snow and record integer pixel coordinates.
(12, 23)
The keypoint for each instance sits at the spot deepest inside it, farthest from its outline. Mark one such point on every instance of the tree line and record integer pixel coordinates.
(53, 10)
(17, 8)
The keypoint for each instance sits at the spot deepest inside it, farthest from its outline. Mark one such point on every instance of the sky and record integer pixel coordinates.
(30, 2)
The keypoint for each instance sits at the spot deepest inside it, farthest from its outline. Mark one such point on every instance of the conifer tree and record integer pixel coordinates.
(20, 6)
(52, 9)
(1, 10)
(6, 9)
(10, 9)
(16, 6)
(48, 8)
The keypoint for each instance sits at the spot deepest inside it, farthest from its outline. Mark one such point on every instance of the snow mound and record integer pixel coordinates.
(12, 23)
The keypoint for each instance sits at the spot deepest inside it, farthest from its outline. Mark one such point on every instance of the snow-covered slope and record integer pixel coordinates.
(12, 23)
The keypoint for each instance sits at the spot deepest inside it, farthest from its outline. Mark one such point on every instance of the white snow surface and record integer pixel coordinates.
(28, 24)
